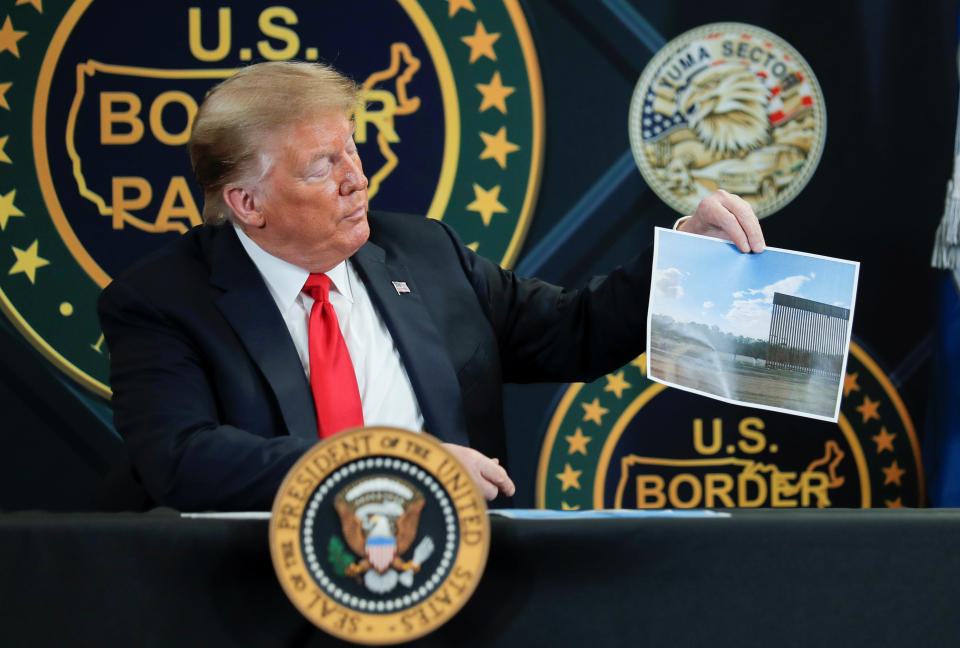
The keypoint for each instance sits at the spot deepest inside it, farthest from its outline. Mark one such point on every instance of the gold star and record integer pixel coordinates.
(570, 478)
(481, 43)
(8, 209)
(9, 38)
(473, 246)
(894, 503)
(884, 440)
(457, 5)
(892, 474)
(566, 507)
(487, 203)
(640, 362)
(594, 412)
(495, 94)
(3, 154)
(37, 4)
(616, 384)
(28, 261)
(869, 409)
(578, 442)
(850, 384)
(3, 94)
(497, 147)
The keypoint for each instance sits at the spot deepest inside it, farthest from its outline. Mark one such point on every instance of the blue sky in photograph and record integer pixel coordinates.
(710, 282)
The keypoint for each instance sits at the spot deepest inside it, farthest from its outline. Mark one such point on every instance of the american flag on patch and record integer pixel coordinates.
(401, 287)
(790, 97)
(380, 552)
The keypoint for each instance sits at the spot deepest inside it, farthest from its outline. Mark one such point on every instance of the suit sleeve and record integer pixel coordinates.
(550, 333)
(166, 412)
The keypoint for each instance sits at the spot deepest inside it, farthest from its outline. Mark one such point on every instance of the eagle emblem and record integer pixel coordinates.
(727, 108)
(379, 517)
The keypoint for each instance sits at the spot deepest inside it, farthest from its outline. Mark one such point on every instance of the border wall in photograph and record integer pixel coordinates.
(806, 335)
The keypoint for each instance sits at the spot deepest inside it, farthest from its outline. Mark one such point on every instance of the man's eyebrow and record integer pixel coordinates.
(327, 153)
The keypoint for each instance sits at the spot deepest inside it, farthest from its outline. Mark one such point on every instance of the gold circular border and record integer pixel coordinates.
(535, 80)
(19, 322)
(451, 107)
(849, 433)
(546, 449)
(286, 521)
(647, 78)
(898, 404)
(44, 177)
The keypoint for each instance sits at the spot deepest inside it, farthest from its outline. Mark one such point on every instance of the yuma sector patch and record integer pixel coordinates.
(727, 106)
(96, 103)
(378, 535)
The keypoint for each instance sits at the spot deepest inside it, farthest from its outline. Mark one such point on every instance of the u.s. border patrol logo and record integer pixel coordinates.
(97, 99)
(727, 106)
(626, 442)
(378, 535)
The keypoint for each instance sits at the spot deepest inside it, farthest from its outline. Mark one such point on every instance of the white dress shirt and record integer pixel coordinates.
(386, 394)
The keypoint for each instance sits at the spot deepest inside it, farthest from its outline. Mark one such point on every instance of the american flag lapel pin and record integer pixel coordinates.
(401, 287)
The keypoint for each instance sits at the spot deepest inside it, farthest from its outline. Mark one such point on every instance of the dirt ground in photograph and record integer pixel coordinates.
(701, 368)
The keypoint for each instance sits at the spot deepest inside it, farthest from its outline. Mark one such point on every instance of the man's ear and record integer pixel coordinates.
(244, 204)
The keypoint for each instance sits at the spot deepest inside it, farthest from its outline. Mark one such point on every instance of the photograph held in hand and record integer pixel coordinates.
(771, 330)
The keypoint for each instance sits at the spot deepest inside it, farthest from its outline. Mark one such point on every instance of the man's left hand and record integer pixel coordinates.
(487, 473)
(729, 217)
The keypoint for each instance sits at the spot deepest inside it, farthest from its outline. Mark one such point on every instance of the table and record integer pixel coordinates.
(758, 577)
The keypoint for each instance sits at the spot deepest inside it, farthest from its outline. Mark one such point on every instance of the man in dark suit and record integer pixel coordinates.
(217, 377)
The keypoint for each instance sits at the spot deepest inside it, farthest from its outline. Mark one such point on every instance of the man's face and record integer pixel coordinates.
(313, 197)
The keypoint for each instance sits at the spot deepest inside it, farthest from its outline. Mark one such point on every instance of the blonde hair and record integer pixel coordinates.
(258, 100)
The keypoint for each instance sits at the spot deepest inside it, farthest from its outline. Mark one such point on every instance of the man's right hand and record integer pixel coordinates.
(726, 216)
(487, 473)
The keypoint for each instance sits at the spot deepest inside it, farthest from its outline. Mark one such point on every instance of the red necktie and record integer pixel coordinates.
(332, 378)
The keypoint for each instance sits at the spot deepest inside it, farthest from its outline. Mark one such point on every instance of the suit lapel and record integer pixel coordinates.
(251, 311)
(422, 349)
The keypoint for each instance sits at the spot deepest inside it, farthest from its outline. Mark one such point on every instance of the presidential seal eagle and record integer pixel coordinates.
(379, 517)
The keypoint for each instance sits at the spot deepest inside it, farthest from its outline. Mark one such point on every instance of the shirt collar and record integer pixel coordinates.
(284, 279)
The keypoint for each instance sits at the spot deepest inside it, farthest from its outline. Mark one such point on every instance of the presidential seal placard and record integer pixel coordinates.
(727, 106)
(97, 101)
(624, 441)
(379, 535)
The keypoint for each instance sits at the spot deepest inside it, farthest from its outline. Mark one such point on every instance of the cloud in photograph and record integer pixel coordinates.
(708, 304)
(667, 283)
(751, 317)
(788, 286)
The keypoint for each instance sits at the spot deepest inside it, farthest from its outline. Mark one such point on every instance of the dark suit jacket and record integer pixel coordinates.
(212, 402)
